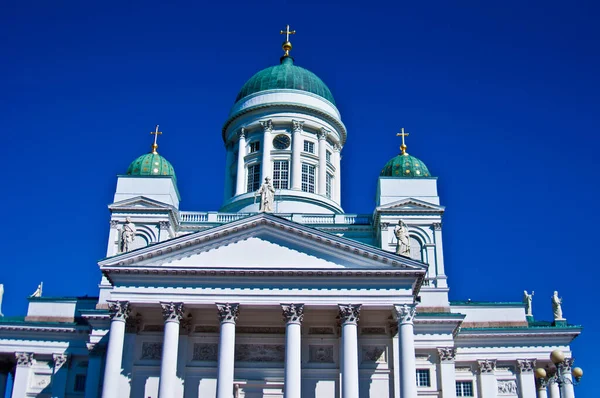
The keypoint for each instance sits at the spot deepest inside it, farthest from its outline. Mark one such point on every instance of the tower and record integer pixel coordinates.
(284, 125)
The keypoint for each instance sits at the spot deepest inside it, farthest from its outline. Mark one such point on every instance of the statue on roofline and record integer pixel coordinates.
(38, 291)
(403, 243)
(267, 196)
(127, 235)
(527, 299)
(557, 307)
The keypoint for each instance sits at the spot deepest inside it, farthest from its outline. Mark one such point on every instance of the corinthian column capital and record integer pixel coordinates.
(172, 312)
(293, 313)
(405, 312)
(228, 313)
(267, 125)
(118, 310)
(349, 313)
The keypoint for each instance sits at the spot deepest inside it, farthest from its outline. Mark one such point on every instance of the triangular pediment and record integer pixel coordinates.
(140, 203)
(263, 242)
(411, 205)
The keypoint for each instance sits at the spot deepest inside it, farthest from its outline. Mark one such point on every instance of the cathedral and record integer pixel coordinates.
(280, 293)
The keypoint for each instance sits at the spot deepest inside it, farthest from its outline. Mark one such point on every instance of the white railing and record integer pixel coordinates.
(192, 217)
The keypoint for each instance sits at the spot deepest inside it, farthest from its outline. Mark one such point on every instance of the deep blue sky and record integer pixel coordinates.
(501, 101)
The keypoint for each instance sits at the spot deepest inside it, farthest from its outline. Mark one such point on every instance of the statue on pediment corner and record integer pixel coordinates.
(403, 239)
(127, 235)
(38, 291)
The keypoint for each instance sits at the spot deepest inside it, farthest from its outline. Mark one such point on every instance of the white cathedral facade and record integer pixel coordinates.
(280, 293)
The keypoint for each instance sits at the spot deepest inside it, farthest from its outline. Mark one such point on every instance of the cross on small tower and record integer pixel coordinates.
(155, 133)
(402, 134)
(287, 46)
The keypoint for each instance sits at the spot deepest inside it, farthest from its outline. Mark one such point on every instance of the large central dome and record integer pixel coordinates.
(286, 76)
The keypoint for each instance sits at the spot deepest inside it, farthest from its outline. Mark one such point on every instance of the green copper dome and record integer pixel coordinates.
(286, 76)
(151, 164)
(405, 166)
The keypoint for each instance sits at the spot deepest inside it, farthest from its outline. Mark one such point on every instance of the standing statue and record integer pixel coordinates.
(527, 299)
(403, 243)
(267, 196)
(1, 295)
(127, 235)
(557, 307)
(38, 291)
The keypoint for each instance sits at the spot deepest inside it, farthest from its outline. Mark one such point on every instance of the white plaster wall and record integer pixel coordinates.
(161, 189)
(52, 308)
(390, 189)
(491, 313)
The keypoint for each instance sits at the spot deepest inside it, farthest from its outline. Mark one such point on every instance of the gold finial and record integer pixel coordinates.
(403, 146)
(287, 46)
(155, 133)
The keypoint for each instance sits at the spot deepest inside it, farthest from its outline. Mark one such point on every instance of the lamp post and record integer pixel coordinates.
(564, 377)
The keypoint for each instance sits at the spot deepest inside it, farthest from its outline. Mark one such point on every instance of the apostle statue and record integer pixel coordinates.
(557, 307)
(38, 291)
(267, 196)
(127, 235)
(403, 243)
(527, 299)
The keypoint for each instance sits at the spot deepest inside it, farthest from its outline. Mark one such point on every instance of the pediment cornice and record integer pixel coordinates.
(141, 203)
(352, 252)
(410, 206)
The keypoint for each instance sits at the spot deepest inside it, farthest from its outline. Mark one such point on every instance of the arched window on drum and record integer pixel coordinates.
(416, 249)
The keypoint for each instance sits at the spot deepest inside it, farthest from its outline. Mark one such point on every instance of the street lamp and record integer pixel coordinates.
(562, 378)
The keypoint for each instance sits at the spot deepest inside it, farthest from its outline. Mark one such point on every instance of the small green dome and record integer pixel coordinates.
(286, 76)
(151, 164)
(405, 166)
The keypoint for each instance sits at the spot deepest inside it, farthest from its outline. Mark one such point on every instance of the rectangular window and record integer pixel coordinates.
(423, 379)
(309, 147)
(79, 383)
(308, 178)
(281, 174)
(254, 146)
(328, 157)
(464, 388)
(253, 177)
(328, 184)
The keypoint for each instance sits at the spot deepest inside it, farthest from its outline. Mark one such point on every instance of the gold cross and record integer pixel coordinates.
(287, 46)
(287, 33)
(402, 134)
(155, 133)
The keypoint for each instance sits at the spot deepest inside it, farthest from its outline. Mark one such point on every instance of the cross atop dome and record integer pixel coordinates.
(287, 46)
(155, 133)
(403, 146)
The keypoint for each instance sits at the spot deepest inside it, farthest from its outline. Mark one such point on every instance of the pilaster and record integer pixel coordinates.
(240, 186)
(526, 376)
(447, 356)
(92, 380)
(488, 387)
(322, 136)
(59, 375)
(25, 361)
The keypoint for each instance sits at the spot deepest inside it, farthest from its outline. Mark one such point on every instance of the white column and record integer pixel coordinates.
(447, 371)
(228, 314)
(337, 180)
(265, 168)
(92, 378)
(228, 178)
(526, 377)
(564, 369)
(553, 390)
(408, 373)
(348, 315)
(396, 359)
(59, 375)
(22, 374)
(293, 315)
(439, 256)
(172, 314)
(240, 184)
(487, 379)
(322, 162)
(119, 311)
(297, 146)
(541, 386)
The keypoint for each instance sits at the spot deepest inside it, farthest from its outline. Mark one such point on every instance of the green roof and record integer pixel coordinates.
(286, 76)
(405, 166)
(151, 164)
